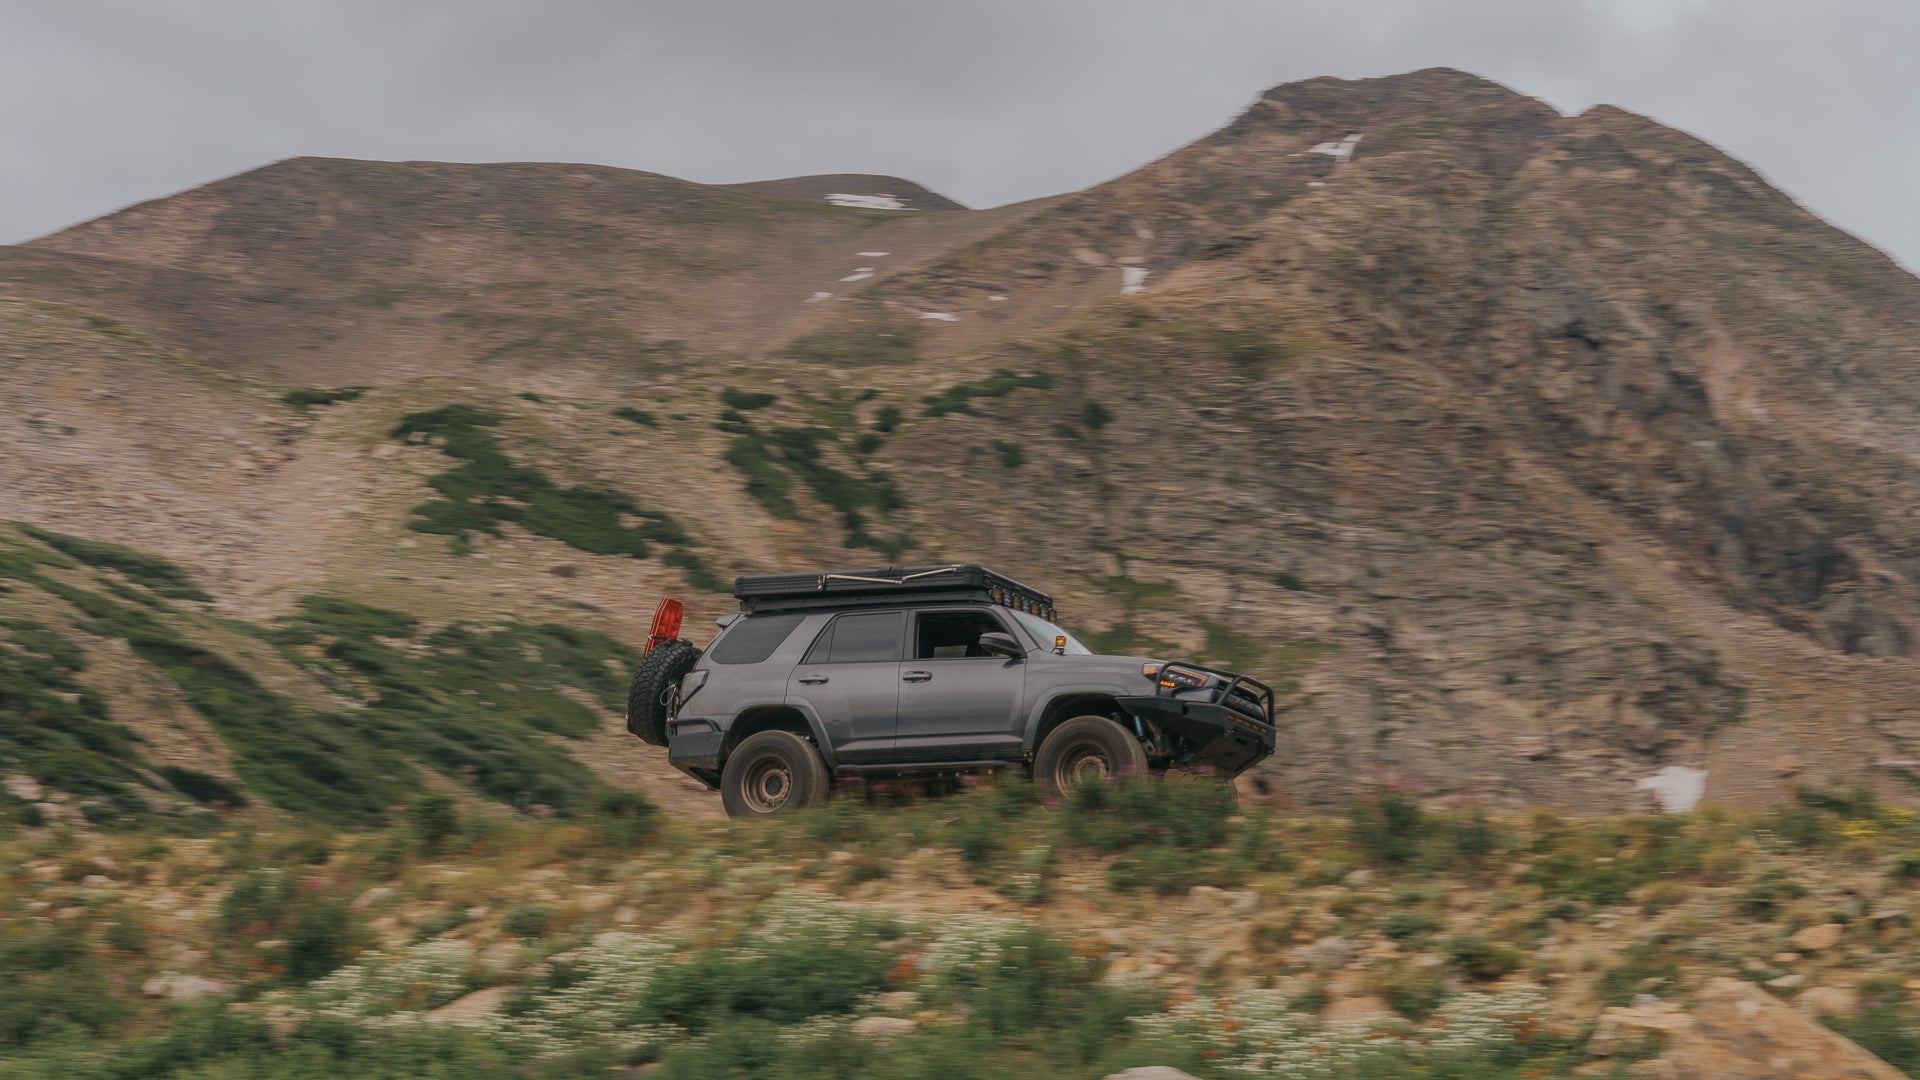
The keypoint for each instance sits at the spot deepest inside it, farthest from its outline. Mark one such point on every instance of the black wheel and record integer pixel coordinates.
(650, 694)
(1086, 748)
(774, 772)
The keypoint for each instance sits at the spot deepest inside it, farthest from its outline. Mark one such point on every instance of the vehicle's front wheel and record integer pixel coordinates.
(774, 772)
(1086, 748)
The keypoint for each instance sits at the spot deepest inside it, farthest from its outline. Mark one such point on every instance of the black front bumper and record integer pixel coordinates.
(1213, 733)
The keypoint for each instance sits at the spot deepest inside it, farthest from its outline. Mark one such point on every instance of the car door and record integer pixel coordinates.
(956, 702)
(850, 678)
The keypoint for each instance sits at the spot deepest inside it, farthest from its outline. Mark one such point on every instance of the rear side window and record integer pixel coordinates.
(856, 639)
(754, 638)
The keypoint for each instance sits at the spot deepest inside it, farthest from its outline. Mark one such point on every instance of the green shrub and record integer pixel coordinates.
(1413, 992)
(746, 400)
(638, 416)
(488, 489)
(1472, 838)
(1644, 969)
(1767, 894)
(55, 984)
(201, 787)
(626, 818)
(888, 418)
(1012, 454)
(1907, 865)
(425, 688)
(1889, 1031)
(781, 974)
(151, 571)
(1391, 828)
(1129, 812)
(771, 460)
(1095, 416)
(1479, 958)
(1408, 925)
(256, 904)
(960, 397)
(436, 819)
(320, 937)
(528, 921)
(303, 400)
(57, 729)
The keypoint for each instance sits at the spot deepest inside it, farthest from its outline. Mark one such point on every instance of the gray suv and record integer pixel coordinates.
(937, 669)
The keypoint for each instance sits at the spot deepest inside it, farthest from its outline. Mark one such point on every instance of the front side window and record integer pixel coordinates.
(859, 639)
(953, 635)
(753, 638)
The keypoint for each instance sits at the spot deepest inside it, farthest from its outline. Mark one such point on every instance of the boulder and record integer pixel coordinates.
(881, 1027)
(471, 1009)
(1328, 952)
(182, 987)
(24, 788)
(1738, 1031)
(1815, 938)
(1827, 1000)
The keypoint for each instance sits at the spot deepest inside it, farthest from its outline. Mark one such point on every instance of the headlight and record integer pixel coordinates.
(1176, 679)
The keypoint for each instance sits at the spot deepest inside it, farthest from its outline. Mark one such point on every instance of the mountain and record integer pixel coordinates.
(1528, 454)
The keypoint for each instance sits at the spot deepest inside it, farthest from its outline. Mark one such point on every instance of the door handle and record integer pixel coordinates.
(813, 680)
(917, 676)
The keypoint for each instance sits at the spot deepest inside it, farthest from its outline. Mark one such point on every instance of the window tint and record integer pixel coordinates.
(950, 635)
(855, 639)
(753, 638)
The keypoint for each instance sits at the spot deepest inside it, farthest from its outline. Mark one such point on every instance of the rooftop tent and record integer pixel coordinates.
(849, 588)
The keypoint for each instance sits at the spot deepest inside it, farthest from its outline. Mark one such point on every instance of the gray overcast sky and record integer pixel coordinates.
(104, 103)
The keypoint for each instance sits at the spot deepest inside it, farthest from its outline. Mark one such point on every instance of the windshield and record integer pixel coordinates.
(1045, 632)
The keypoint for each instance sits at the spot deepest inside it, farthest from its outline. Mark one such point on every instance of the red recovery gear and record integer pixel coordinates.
(666, 623)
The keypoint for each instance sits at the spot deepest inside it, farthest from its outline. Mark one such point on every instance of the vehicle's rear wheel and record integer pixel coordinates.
(774, 772)
(650, 694)
(1086, 748)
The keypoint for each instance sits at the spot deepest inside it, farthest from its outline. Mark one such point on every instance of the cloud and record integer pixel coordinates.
(989, 102)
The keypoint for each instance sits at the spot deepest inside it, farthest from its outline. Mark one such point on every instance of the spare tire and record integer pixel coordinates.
(650, 695)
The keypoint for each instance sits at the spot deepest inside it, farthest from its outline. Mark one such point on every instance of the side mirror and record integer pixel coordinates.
(995, 643)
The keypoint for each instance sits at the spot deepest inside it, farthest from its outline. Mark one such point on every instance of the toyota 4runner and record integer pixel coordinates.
(936, 669)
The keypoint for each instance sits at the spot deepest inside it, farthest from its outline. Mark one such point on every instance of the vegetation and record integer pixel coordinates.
(1012, 454)
(344, 940)
(151, 572)
(772, 459)
(304, 399)
(482, 705)
(959, 398)
(877, 340)
(638, 416)
(489, 489)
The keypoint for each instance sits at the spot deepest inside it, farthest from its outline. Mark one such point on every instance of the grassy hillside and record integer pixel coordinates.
(335, 713)
(974, 935)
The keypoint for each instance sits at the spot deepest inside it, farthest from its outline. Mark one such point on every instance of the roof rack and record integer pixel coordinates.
(878, 585)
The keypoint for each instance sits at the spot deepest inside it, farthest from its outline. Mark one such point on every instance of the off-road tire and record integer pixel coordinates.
(650, 694)
(1086, 748)
(773, 772)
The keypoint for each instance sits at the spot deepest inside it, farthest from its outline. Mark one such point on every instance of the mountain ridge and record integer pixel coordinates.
(1529, 453)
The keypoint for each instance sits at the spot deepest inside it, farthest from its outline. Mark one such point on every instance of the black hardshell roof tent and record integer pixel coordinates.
(759, 593)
